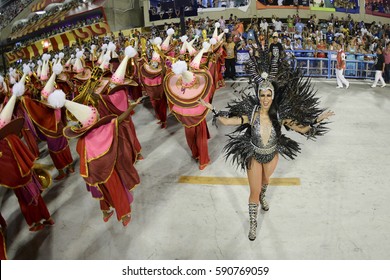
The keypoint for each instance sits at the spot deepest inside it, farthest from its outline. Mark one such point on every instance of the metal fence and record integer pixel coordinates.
(358, 66)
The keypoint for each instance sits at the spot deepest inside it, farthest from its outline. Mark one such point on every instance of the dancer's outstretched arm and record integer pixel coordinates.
(305, 129)
(225, 120)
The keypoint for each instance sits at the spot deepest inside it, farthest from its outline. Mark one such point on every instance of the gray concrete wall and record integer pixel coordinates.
(121, 14)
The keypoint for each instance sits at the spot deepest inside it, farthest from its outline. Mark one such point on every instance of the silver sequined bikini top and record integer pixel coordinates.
(257, 140)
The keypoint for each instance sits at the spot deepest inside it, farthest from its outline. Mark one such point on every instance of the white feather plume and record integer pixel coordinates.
(18, 89)
(57, 99)
(179, 67)
(56, 56)
(130, 51)
(170, 31)
(93, 47)
(72, 56)
(111, 46)
(226, 30)
(12, 80)
(79, 54)
(1, 79)
(57, 68)
(206, 46)
(183, 38)
(104, 47)
(217, 25)
(264, 75)
(39, 62)
(157, 41)
(213, 41)
(61, 55)
(26, 69)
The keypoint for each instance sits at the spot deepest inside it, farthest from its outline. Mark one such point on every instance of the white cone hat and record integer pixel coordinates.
(191, 49)
(165, 44)
(106, 61)
(217, 26)
(39, 69)
(193, 40)
(26, 71)
(119, 75)
(155, 56)
(86, 115)
(45, 67)
(100, 59)
(49, 87)
(220, 36)
(183, 48)
(195, 64)
(78, 66)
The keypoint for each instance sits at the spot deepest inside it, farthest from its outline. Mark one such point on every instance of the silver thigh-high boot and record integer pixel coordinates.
(253, 209)
(263, 202)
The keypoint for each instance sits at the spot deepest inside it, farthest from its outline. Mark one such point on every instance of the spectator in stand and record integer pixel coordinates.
(329, 36)
(310, 24)
(379, 68)
(252, 48)
(288, 47)
(299, 26)
(361, 49)
(236, 35)
(231, 57)
(290, 24)
(373, 45)
(240, 26)
(250, 31)
(264, 25)
(318, 35)
(278, 25)
(309, 46)
(222, 23)
(276, 53)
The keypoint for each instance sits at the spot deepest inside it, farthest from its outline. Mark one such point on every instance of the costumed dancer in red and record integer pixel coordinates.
(133, 72)
(183, 88)
(49, 124)
(115, 101)
(29, 133)
(17, 159)
(152, 76)
(217, 60)
(98, 147)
